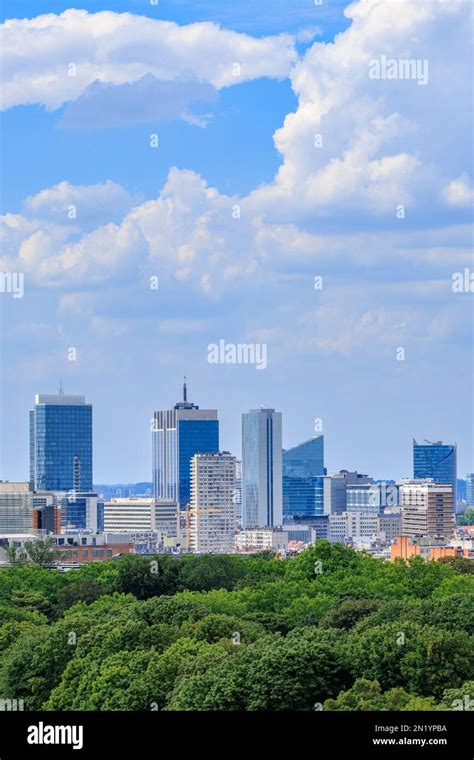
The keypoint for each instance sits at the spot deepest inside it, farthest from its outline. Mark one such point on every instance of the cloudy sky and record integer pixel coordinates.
(250, 163)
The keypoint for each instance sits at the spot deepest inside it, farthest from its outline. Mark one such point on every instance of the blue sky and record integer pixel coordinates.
(266, 17)
(381, 211)
(220, 152)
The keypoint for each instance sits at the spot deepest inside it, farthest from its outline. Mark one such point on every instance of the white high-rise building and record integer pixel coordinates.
(262, 501)
(212, 523)
(238, 492)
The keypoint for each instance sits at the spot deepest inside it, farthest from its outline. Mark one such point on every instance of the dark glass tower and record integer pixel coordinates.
(303, 485)
(438, 461)
(61, 443)
(178, 434)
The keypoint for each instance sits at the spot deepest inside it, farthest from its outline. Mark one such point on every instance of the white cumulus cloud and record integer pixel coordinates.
(358, 145)
(52, 59)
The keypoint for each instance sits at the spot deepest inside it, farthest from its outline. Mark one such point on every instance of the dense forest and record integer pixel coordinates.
(330, 629)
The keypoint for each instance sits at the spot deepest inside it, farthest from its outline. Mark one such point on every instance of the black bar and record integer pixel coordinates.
(123, 735)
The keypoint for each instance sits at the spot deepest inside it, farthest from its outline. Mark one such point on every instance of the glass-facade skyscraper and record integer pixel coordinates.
(470, 489)
(261, 469)
(61, 443)
(305, 460)
(437, 461)
(303, 484)
(177, 435)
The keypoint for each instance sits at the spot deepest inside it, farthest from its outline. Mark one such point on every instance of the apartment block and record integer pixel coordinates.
(212, 521)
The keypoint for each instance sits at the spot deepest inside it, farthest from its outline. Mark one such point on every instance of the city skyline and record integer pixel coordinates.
(187, 407)
(237, 367)
(313, 255)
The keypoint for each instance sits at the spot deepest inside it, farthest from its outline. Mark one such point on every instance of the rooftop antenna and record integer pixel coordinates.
(185, 391)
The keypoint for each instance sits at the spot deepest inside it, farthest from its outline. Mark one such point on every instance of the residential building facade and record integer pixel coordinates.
(212, 521)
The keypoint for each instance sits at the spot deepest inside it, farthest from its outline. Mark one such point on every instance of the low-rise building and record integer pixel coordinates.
(430, 549)
(261, 539)
(301, 532)
(351, 525)
(75, 547)
(389, 527)
(85, 546)
(16, 508)
(130, 514)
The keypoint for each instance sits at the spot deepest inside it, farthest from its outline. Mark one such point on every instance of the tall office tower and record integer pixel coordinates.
(303, 485)
(470, 489)
(238, 492)
(61, 443)
(177, 435)
(427, 509)
(261, 469)
(212, 523)
(437, 461)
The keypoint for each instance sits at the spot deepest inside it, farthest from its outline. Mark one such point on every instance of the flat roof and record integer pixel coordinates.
(59, 400)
